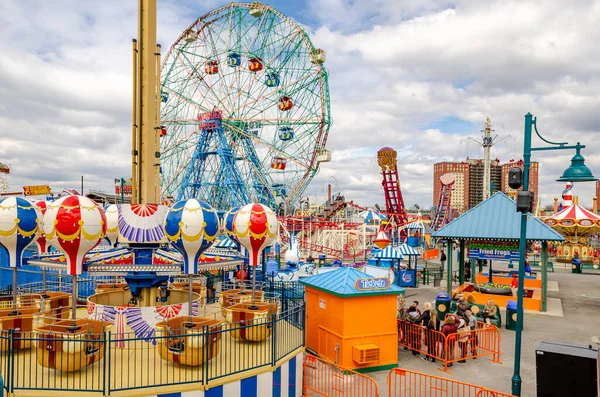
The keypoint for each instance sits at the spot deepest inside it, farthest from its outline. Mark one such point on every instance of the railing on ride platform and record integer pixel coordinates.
(326, 379)
(131, 361)
(484, 341)
(405, 383)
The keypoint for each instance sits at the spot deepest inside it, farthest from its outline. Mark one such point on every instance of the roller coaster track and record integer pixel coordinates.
(300, 227)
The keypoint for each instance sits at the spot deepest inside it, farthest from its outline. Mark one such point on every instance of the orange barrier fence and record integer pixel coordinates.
(484, 341)
(326, 379)
(404, 383)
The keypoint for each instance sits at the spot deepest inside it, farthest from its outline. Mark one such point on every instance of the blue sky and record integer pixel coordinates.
(417, 75)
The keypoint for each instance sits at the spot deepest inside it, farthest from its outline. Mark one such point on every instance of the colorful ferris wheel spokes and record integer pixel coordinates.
(246, 109)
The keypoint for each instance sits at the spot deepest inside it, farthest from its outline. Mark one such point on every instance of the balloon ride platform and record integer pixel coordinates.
(154, 334)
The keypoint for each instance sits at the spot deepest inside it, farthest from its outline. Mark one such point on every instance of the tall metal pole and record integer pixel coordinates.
(190, 294)
(544, 275)
(449, 272)
(74, 298)
(14, 288)
(146, 150)
(122, 190)
(516, 379)
(461, 263)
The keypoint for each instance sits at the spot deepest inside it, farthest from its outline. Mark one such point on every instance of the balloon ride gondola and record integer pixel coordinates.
(74, 225)
(19, 227)
(191, 226)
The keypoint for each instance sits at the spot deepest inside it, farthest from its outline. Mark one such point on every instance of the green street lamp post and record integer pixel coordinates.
(577, 172)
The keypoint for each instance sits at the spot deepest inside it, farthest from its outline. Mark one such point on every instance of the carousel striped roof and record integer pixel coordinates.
(576, 213)
(407, 250)
(574, 220)
(371, 216)
(226, 243)
(388, 253)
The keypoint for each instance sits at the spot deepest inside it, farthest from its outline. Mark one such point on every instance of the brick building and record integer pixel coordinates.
(467, 190)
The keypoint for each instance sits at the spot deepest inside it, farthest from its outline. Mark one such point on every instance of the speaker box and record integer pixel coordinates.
(565, 370)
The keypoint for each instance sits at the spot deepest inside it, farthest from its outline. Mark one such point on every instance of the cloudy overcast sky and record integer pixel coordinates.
(417, 75)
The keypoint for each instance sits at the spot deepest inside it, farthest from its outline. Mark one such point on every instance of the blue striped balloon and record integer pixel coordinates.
(228, 224)
(191, 226)
(19, 227)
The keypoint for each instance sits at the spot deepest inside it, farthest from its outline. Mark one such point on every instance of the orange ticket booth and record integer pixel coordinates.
(351, 319)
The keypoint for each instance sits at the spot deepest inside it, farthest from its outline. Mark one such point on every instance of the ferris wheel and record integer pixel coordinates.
(245, 109)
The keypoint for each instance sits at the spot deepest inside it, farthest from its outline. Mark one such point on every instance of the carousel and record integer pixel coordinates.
(576, 224)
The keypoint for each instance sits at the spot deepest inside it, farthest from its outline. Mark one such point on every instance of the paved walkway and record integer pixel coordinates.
(577, 297)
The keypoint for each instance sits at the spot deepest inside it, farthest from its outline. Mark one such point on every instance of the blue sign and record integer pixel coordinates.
(164, 96)
(277, 248)
(372, 283)
(493, 254)
(407, 278)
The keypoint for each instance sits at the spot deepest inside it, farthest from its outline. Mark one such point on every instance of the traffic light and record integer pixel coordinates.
(525, 201)
(515, 177)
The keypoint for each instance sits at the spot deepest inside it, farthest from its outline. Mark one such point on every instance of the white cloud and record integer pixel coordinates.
(395, 68)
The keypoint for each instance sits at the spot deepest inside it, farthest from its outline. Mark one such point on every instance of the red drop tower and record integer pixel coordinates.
(394, 203)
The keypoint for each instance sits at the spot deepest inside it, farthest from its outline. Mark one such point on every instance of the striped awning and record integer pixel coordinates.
(388, 253)
(406, 250)
(226, 243)
(371, 216)
(414, 225)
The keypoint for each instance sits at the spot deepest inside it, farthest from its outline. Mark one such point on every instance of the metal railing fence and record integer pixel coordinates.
(110, 361)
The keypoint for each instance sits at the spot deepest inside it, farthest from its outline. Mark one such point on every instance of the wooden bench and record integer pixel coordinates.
(590, 267)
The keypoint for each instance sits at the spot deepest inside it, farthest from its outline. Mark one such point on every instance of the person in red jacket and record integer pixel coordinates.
(514, 284)
(449, 328)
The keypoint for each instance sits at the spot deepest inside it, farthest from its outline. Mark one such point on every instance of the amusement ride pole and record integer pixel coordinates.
(576, 172)
(146, 148)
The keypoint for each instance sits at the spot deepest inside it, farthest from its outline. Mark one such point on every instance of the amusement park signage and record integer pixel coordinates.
(493, 254)
(494, 250)
(37, 190)
(207, 121)
(372, 283)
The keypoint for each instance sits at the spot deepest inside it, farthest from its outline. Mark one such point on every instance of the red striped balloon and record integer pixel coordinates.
(255, 228)
(74, 225)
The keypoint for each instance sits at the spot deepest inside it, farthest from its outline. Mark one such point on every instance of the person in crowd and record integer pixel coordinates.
(527, 269)
(450, 328)
(462, 305)
(412, 338)
(426, 315)
(514, 284)
(401, 306)
(443, 259)
(416, 305)
(463, 339)
(489, 310)
(473, 336)
(432, 338)
(468, 271)
(400, 317)
(471, 299)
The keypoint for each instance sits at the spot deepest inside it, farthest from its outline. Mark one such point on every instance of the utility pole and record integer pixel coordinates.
(146, 108)
(487, 142)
